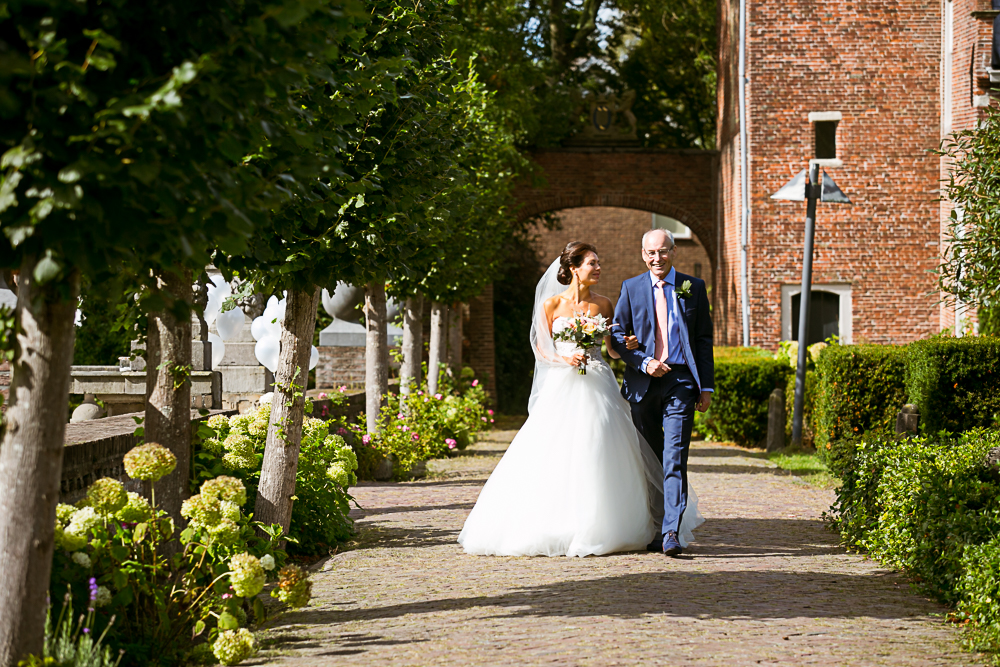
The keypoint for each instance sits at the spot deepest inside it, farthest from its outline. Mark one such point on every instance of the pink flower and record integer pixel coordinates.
(226, 596)
(491, 421)
(366, 439)
(483, 418)
(438, 396)
(451, 442)
(399, 415)
(343, 388)
(405, 427)
(425, 399)
(489, 412)
(420, 393)
(322, 395)
(341, 431)
(415, 437)
(475, 383)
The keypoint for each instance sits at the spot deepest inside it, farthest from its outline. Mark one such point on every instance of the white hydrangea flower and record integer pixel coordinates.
(103, 597)
(82, 559)
(267, 562)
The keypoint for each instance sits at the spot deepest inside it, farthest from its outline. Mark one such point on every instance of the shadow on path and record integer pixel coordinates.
(716, 538)
(733, 595)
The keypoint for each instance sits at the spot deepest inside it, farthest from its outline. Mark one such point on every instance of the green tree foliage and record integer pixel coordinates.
(668, 56)
(969, 270)
(540, 57)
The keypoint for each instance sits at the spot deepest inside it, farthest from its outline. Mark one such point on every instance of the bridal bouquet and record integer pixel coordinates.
(585, 331)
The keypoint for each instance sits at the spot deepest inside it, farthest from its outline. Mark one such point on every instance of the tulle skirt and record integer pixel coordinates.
(577, 480)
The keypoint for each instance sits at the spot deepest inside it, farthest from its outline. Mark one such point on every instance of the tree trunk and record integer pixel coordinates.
(284, 433)
(436, 355)
(376, 352)
(413, 343)
(31, 458)
(168, 388)
(454, 359)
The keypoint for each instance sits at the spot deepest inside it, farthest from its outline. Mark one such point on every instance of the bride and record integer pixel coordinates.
(578, 479)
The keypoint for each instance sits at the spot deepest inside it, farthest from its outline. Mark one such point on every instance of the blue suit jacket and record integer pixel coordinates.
(635, 314)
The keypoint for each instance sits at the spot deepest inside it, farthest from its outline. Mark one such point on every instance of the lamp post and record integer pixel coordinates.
(808, 187)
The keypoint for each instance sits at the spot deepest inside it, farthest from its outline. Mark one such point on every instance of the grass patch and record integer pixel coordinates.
(806, 466)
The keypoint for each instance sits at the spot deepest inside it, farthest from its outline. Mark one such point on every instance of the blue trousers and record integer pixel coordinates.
(664, 417)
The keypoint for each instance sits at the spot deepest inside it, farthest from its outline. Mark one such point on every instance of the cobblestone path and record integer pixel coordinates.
(765, 583)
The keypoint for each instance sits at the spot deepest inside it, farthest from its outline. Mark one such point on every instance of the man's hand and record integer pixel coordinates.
(703, 401)
(631, 343)
(657, 368)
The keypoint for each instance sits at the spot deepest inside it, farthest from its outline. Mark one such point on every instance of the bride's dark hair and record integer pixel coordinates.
(571, 258)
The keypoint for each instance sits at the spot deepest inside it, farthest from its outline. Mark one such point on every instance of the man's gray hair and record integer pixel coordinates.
(651, 231)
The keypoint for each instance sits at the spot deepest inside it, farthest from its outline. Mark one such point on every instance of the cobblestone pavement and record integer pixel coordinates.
(765, 583)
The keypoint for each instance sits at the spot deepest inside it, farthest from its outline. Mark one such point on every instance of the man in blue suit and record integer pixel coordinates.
(672, 372)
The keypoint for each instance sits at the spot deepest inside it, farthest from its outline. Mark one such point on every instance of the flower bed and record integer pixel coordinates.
(420, 426)
(326, 471)
(161, 595)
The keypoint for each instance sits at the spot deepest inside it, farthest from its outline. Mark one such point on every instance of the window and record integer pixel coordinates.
(824, 316)
(826, 139)
(829, 313)
(680, 231)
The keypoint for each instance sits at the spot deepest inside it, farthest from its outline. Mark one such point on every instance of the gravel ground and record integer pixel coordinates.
(765, 583)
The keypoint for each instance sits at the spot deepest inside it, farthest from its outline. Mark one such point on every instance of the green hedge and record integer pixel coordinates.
(930, 507)
(860, 388)
(953, 382)
(744, 379)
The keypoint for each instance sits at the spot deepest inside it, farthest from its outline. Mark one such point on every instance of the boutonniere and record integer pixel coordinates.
(684, 291)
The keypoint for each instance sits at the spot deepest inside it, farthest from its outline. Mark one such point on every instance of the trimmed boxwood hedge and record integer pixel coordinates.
(744, 379)
(930, 506)
(954, 381)
(860, 388)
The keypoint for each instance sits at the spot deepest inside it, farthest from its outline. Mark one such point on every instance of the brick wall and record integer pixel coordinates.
(479, 347)
(878, 63)
(340, 366)
(676, 183)
(617, 233)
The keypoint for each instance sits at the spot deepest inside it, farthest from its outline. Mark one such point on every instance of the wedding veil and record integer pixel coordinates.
(546, 357)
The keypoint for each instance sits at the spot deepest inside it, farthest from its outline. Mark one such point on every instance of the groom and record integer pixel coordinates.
(671, 374)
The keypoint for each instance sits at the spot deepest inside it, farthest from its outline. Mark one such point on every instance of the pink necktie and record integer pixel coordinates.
(661, 322)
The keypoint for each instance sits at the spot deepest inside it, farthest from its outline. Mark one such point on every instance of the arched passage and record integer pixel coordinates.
(678, 183)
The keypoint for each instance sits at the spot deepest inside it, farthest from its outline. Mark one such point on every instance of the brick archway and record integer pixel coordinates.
(679, 183)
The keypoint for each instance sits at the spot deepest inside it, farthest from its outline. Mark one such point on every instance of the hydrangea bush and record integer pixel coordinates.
(169, 589)
(234, 447)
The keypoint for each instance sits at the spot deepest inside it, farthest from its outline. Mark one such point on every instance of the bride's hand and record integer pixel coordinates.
(576, 358)
(631, 343)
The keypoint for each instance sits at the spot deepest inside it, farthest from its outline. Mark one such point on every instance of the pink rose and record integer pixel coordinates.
(475, 383)
(414, 437)
(399, 415)
(451, 442)
(343, 388)
(483, 418)
(366, 439)
(438, 396)
(322, 395)
(489, 412)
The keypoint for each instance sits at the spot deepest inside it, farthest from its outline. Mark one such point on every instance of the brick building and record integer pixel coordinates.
(893, 78)
(616, 232)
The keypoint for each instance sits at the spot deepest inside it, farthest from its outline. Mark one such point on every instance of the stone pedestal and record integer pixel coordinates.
(776, 421)
(244, 379)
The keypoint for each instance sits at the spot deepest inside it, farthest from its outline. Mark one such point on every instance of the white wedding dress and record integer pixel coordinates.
(578, 479)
